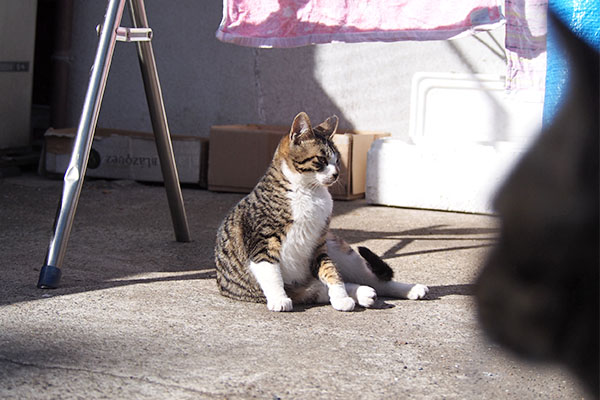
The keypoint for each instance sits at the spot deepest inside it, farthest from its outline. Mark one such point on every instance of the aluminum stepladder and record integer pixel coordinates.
(109, 32)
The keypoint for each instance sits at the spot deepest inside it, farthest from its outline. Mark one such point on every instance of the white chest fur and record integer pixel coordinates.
(311, 208)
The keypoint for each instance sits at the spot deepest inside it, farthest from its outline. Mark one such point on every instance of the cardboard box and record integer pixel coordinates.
(240, 154)
(119, 154)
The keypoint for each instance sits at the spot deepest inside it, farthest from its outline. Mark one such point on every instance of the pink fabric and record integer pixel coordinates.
(526, 48)
(293, 23)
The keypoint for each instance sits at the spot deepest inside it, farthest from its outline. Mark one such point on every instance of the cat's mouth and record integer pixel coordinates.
(330, 180)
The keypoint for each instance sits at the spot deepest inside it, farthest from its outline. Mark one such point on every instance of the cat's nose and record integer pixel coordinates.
(336, 174)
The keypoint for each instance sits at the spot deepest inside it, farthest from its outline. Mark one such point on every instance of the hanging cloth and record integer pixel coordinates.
(294, 23)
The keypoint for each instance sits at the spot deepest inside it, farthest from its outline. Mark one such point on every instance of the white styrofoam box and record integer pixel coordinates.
(466, 135)
(439, 177)
(120, 154)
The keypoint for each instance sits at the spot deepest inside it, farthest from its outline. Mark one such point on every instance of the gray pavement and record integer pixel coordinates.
(138, 315)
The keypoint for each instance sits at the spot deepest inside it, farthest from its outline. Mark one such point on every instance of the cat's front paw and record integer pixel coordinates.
(280, 304)
(343, 303)
(366, 296)
(417, 292)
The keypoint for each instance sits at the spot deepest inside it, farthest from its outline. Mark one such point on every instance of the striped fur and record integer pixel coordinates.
(274, 245)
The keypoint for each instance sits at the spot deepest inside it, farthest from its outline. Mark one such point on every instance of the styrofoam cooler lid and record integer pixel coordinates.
(452, 108)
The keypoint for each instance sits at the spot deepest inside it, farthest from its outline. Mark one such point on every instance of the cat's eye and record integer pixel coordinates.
(321, 163)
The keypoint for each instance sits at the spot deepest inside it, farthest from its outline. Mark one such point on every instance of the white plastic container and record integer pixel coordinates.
(466, 137)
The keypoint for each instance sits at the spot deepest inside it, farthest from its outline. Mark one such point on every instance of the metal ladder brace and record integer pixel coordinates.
(109, 32)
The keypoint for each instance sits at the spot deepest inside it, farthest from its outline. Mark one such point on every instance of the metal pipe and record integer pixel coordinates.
(158, 116)
(74, 176)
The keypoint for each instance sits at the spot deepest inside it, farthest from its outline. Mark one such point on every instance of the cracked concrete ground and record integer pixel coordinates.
(138, 315)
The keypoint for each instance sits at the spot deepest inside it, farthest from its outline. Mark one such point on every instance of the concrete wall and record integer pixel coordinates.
(207, 82)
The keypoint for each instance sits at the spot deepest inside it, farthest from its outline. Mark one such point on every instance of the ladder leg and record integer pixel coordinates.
(160, 127)
(74, 176)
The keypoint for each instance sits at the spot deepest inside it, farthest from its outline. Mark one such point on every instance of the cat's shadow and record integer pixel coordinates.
(381, 304)
(437, 292)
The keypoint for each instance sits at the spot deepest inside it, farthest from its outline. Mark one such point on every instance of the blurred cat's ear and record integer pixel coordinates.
(301, 128)
(329, 126)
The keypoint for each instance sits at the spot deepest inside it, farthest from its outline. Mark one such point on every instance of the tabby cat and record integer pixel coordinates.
(275, 244)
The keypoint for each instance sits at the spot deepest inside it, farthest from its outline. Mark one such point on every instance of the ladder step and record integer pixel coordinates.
(134, 34)
(130, 34)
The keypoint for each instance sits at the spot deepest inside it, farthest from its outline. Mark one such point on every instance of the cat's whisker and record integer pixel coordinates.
(338, 183)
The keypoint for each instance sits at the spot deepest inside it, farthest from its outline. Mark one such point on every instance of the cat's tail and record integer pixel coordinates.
(379, 267)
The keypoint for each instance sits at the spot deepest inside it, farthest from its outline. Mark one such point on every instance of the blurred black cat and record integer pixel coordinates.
(538, 291)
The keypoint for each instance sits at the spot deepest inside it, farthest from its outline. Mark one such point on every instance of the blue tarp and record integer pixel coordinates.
(583, 18)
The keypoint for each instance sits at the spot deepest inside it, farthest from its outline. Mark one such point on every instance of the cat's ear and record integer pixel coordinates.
(301, 128)
(329, 126)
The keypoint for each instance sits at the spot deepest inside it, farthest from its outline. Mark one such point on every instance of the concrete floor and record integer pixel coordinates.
(138, 315)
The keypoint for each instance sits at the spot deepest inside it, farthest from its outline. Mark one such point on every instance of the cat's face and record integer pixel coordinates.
(312, 156)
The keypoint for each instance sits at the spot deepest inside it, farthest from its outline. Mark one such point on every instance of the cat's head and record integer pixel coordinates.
(309, 154)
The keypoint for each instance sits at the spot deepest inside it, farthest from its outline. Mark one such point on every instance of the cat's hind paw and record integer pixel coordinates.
(280, 304)
(417, 292)
(343, 303)
(366, 296)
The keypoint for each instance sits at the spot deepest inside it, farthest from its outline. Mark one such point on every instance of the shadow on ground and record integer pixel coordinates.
(122, 236)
